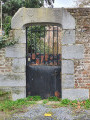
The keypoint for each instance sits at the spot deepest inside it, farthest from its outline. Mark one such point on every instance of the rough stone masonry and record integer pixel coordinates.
(75, 51)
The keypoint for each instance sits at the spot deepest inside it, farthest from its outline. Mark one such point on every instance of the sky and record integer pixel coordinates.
(64, 3)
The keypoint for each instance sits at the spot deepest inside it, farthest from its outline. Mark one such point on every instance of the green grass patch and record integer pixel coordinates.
(53, 98)
(34, 98)
(45, 101)
(75, 103)
(87, 104)
(9, 105)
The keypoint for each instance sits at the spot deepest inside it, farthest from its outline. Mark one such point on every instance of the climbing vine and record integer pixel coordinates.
(4, 42)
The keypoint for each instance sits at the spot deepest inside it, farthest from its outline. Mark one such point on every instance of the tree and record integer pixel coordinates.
(82, 3)
(50, 2)
(11, 6)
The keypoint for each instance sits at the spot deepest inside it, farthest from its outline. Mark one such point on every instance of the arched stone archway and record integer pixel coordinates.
(70, 51)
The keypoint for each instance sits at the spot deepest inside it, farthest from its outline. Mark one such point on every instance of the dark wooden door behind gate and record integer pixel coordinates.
(43, 61)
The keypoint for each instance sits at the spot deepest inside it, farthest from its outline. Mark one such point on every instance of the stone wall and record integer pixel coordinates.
(82, 66)
(75, 51)
(12, 79)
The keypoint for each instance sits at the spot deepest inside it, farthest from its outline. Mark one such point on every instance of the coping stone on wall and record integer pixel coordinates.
(77, 94)
(73, 52)
(18, 51)
(67, 67)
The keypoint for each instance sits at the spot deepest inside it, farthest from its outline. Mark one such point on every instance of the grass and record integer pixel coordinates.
(53, 98)
(45, 101)
(9, 105)
(77, 104)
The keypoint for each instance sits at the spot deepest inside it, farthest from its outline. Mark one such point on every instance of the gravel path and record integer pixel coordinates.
(37, 112)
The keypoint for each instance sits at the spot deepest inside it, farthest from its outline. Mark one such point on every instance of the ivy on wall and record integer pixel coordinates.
(5, 41)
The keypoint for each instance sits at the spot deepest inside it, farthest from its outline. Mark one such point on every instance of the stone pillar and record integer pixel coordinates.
(70, 52)
(17, 79)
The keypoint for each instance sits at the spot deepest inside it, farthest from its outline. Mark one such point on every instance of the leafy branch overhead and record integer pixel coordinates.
(10, 7)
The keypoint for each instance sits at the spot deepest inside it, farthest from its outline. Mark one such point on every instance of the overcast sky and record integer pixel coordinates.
(64, 3)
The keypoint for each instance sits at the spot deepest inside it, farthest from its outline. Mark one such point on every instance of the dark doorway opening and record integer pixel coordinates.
(43, 60)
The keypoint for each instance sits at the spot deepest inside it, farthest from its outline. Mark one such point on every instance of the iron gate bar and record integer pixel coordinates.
(40, 45)
(26, 47)
(35, 45)
(57, 45)
(44, 44)
(43, 53)
(53, 44)
(48, 43)
(31, 42)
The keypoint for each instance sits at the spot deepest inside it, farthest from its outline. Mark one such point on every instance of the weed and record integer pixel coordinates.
(2, 93)
(34, 98)
(12, 105)
(87, 103)
(65, 101)
(53, 98)
(45, 101)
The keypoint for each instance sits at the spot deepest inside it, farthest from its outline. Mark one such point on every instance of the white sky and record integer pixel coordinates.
(64, 3)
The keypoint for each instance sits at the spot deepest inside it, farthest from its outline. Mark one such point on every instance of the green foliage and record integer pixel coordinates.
(87, 103)
(34, 98)
(4, 42)
(3, 93)
(65, 101)
(8, 105)
(35, 41)
(7, 25)
(49, 2)
(53, 98)
(11, 6)
(33, 3)
(45, 101)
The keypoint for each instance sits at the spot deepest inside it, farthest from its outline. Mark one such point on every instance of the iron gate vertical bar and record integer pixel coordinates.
(57, 45)
(40, 44)
(26, 48)
(31, 42)
(44, 44)
(35, 43)
(53, 44)
(48, 43)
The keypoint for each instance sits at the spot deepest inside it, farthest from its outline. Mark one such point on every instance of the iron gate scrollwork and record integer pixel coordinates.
(43, 60)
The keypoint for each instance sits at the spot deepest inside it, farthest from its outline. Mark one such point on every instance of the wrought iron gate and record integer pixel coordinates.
(43, 60)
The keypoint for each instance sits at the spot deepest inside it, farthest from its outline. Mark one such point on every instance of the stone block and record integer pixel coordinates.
(73, 52)
(75, 94)
(19, 65)
(15, 79)
(68, 81)
(17, 20)
(68, 21)
(59, 16)
(16, 51)
(18, 93)
(20, 36)
(68, 37)
(67, 67)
